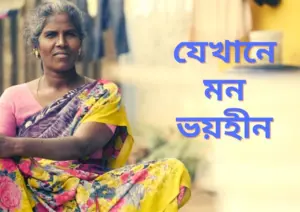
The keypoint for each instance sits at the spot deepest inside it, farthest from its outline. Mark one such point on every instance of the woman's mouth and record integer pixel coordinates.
(61, 54)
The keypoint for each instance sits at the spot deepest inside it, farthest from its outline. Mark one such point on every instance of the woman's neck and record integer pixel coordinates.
(61, 80)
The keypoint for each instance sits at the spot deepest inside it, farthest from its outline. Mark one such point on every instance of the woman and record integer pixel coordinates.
(65, 138)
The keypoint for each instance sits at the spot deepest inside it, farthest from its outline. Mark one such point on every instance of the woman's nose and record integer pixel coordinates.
(61, 42)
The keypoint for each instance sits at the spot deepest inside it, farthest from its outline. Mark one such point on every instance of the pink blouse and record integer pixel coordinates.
(16, 104)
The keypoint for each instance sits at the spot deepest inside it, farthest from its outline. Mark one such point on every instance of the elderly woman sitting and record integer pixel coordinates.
(65, 137)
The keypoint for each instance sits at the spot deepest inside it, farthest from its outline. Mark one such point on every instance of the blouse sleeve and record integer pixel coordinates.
(8, 124)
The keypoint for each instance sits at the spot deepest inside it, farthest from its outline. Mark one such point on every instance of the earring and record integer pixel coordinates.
(36, 53)
(79, 52)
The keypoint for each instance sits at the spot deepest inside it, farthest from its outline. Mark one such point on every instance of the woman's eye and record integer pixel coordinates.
(72, 34)
(50, 35)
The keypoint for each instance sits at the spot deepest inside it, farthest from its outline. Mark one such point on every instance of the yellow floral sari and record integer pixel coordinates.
(101, 182)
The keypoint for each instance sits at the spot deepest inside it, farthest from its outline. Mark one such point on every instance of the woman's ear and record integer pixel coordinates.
(35, 49)
(80, 55)
(36, 52)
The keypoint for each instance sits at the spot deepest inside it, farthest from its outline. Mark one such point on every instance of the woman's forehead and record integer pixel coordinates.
(61, 20)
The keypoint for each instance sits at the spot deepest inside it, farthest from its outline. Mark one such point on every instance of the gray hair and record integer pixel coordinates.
(38, 19)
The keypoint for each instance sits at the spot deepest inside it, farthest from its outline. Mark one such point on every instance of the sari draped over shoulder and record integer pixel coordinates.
(100, 182)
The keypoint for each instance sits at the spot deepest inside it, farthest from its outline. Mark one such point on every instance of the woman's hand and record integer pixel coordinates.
(6, 147)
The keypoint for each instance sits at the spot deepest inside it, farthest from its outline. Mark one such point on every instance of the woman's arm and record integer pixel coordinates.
(8, 123)
(88, 138)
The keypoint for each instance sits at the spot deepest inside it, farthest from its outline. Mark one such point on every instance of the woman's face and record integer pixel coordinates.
(59, 43)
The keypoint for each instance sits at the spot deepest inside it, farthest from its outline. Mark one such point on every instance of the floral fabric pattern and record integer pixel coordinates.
(101, 183)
